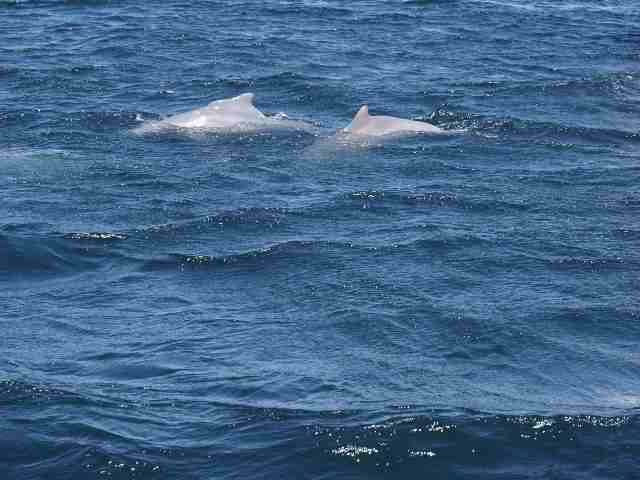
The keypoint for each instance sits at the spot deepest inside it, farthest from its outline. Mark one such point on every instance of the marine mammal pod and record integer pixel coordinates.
(229, 114)
(379, 125)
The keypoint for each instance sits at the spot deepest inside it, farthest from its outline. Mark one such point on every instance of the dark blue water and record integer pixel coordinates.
(180, 306)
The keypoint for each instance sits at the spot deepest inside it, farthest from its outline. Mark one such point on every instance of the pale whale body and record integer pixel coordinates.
(230, 114)
(367, 131)
(364, 124)
(225, 113)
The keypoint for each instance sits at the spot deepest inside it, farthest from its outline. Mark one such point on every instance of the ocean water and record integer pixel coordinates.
(276, 305)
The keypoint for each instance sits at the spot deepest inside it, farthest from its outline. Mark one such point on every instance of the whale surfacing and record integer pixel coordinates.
(236, 114)
(380, 125)
(225, 113)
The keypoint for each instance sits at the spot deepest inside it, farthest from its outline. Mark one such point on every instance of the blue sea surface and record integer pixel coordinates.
(276, 305)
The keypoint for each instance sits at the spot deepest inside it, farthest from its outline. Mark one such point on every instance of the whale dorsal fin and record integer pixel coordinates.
(245, 98)
(360, 119)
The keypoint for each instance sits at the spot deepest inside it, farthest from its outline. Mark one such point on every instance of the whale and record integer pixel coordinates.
(236, 114)
(367, 125)
(366, 131)
(225, 113)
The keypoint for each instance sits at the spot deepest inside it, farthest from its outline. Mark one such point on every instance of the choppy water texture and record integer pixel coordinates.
(282, 305)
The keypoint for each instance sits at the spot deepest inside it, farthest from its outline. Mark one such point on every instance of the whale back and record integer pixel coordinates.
(360, 120)
(242, 105)
(378, 125)
(246, 99)
(229, 115)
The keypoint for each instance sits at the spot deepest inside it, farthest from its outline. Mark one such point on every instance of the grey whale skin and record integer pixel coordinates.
(381, 125)
(238, 114)
(229, 114)
(226, 113)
